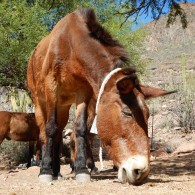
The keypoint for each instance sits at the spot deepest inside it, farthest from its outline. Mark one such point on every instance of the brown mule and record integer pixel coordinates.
(69, 66)
(20, 126)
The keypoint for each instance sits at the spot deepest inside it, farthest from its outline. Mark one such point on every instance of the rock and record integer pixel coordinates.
(168, 149)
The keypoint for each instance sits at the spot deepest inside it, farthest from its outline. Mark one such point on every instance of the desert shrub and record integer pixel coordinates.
(183, 110)
(15, 151)
(179, 108)
(185, 105)
(20, 100)
(166, 123)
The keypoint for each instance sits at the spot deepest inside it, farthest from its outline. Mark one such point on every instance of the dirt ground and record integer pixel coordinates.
(171, 175)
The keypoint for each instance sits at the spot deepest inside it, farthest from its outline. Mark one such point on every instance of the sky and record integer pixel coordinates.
(144, 19)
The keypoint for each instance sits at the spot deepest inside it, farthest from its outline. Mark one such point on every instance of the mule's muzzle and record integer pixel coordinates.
(134, 171)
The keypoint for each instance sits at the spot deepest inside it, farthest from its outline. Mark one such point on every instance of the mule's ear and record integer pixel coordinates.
(125, 85)
(153, 92)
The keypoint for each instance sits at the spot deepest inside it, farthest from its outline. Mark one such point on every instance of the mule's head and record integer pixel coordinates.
(122, 122)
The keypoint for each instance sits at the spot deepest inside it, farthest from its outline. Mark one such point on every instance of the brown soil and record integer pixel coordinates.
(169, 175)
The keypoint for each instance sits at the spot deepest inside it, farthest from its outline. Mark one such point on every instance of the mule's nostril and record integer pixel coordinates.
(137, 172)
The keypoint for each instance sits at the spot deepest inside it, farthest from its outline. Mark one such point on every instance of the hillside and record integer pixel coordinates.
(164, 47)
(166, 50)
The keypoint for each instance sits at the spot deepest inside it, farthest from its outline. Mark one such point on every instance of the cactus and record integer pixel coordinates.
(20, 100)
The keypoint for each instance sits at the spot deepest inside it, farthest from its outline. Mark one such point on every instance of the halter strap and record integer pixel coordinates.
(106, 79)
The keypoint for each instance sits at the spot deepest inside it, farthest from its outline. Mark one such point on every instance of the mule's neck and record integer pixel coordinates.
(104, 82)
(96, 79)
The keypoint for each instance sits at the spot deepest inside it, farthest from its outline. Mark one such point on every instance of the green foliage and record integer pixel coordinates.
(133, 43)
(175, 11)
(21, 28)
(25, 22)
(56, 9)
(20, 100)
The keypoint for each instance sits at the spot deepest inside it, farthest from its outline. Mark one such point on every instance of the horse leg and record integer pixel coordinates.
(56, 160)
(46, 172)
(38, 152)
(30, 153)
(63, 115)
(72, 151)
(82, 173)
(90, 137)
(90, 160)
(56, 156)
(48, 128)
(88, 143)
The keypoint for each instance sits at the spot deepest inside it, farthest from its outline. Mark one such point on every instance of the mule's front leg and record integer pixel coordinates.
(30, 153)
(56, 159)
(38, 152)
(89, 145)
(46, 172)
(82, 173)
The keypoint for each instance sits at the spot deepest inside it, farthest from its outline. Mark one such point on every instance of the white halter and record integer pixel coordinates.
(106, 79)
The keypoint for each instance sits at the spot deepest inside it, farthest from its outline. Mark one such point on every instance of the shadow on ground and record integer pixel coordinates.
(170, 166)
(174, 166)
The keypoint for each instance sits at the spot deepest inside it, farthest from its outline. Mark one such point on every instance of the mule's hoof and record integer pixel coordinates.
(59, 177)
(45, 178)
(95, 170)
(83, 178)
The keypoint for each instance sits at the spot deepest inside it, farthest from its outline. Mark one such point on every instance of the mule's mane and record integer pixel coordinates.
(98, 32)
(95, 28)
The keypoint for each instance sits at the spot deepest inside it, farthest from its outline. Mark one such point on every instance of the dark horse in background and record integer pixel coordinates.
(79, 62)
(19, 126)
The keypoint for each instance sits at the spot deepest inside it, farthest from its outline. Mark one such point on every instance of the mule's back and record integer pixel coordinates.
(5, 118)
(72, 54)
(18, 126)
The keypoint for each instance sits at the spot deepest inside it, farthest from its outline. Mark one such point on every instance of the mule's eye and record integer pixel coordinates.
(127, 112)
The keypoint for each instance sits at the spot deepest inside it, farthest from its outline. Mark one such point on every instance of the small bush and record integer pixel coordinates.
(166, 123)
(15, 151)
(183, 110)
(185, 106)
